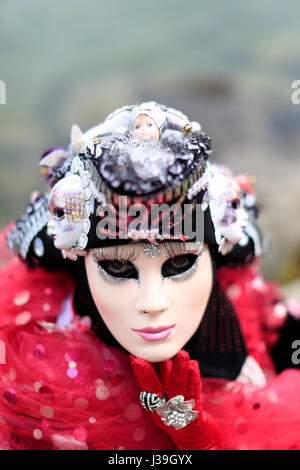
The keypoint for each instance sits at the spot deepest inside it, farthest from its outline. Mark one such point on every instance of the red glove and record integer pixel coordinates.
(179, 377)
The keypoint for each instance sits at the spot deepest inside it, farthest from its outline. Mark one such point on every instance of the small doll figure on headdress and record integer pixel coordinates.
(146, 122)
(144, 128)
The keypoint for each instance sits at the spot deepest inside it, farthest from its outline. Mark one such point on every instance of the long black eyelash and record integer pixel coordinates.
(172, 252)
(177, 249)
(114, 255)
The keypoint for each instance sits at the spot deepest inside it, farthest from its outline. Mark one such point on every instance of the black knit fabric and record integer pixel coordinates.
(218, 345)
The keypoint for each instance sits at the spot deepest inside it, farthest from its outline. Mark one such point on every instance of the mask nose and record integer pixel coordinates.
(50, 225)
(242, 214)
(153, 299)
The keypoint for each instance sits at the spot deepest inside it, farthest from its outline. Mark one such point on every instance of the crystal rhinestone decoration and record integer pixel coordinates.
(177, 412)
(36, 217)
(38, 247)
(151, 250)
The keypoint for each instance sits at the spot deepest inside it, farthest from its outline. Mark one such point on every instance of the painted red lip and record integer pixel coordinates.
(53, 236)
(151, 329)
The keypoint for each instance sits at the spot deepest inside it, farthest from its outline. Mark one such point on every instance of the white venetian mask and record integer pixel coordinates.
(226, 208)
(67, 208)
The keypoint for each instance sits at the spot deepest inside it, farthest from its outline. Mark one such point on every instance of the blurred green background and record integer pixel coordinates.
(229, 65)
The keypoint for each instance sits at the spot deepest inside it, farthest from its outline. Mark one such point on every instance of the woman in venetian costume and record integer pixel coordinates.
(135, 316)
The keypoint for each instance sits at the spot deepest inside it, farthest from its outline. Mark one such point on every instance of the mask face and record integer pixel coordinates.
(230, 218)
(67, 208)
(234, 232)
(228, 214)
(152, 305)
(144, 128)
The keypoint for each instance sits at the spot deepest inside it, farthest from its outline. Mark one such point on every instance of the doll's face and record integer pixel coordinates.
(151, 305)
(66, 205)
(235, 231)
(227, 210)
(231, 218)
(144, 128)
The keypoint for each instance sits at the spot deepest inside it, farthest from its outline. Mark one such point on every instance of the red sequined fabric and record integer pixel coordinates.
(61, 388)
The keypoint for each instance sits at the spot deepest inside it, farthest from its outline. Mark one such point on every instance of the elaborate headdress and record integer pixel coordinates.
(108, 175)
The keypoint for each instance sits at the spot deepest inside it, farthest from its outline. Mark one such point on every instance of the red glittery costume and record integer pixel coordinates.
(61, 388)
